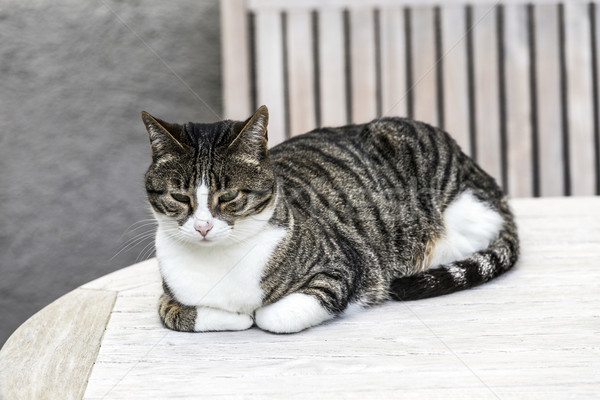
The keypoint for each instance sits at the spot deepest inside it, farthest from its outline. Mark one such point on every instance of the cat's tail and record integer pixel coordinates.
(482, 266)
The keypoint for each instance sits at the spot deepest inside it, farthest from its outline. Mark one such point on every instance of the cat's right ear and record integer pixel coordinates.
(164, 137)
(252, 134)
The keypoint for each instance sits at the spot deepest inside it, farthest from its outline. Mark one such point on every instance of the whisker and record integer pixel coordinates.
(149, 245)
(133, 242)
(138, 237)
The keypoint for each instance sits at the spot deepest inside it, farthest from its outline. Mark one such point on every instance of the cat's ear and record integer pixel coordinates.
(252, 134)
(164, 137)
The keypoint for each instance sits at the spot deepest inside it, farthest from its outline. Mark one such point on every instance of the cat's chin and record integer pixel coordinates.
(209, 242)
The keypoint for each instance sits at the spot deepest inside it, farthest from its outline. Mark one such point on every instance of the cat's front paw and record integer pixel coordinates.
(175, 315)
(212, 319)
(291, 314)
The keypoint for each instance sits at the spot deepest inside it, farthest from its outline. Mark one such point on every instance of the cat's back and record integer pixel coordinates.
(329, 140)
(395, 146)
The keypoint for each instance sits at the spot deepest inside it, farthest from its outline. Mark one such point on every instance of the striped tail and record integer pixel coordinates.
(498, 257)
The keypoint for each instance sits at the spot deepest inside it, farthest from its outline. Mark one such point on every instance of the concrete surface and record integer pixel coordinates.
(74, 77)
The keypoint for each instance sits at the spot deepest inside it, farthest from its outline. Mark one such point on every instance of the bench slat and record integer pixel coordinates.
(235, 59)
(455, 75)
(393, 62)
(549, 117)
(579, 98)
(424, 85)
(269, 71)
(362, 64)
(518, 101)
(487, 101)
(332, 82)
(301, 72)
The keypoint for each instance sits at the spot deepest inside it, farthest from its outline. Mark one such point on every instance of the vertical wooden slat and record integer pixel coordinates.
(487, 106)
(301, 72)
(596, 16)
(235, 59)
(424, 86)
(362, 60)
(269, 71)
(393, 62)
(548, 100)
(331, 67)
(579, 98)
(455, 78)
(518, 102)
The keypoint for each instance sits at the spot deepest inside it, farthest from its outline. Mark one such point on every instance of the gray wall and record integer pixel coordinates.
(73, 79)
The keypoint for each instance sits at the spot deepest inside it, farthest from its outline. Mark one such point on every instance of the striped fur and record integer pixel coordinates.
(362, 207)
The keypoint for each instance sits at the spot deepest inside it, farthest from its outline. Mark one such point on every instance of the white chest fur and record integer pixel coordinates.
(223, 277)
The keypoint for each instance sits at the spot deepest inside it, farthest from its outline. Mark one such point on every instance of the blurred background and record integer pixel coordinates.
(73, 150)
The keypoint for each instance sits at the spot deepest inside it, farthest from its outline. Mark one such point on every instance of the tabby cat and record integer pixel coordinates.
(334, 220)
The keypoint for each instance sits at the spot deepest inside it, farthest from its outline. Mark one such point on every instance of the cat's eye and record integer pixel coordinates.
(228, 196)
(182, 198)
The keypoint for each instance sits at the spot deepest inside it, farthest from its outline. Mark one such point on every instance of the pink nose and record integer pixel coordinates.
(203, 227)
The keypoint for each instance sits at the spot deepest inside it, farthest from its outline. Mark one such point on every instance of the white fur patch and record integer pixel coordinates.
(211, 319)
(293, 313)
(470, 226)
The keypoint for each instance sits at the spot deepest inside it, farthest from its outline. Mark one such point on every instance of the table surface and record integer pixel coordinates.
(532, 333)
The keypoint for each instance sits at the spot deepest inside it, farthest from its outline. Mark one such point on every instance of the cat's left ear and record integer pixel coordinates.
(253, 136)
(164, 137)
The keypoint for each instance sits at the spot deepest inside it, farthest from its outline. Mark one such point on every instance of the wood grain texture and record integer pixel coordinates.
(424, 85)
(531, 333)
(518, 102)
(549, 101)
(301, 72)
(487, 96)
(140, 274)
(393, 62)
(332, 89)
(235, 59)
(579, 98)
(362, 69)
(456, 80)
(269, 72)
(50, 356)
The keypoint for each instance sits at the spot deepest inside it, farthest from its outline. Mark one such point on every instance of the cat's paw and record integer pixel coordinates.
(293, 313)
(212, 319)
(175, 315)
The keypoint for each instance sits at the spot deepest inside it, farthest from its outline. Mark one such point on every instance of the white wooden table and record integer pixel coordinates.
(533, 333)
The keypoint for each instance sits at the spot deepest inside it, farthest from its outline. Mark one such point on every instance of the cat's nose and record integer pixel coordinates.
(203, 227)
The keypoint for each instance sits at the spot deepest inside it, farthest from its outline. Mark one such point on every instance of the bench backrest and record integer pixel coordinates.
(516, 84)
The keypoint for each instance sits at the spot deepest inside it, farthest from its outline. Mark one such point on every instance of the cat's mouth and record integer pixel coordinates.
(209, 240)
(205, 240)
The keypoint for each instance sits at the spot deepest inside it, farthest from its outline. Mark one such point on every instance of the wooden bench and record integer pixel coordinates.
(515, 83)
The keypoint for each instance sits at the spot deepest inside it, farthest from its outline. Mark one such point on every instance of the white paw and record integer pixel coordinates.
(212, 319)
(293, 313)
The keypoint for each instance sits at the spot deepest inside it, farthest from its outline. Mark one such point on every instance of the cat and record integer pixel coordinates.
(331, 221)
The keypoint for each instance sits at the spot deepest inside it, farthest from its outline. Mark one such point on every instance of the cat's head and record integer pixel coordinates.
(210, 184)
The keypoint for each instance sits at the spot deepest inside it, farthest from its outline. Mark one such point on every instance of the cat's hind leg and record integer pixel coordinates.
(323, 297)
(293, 313)
(180, 317)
